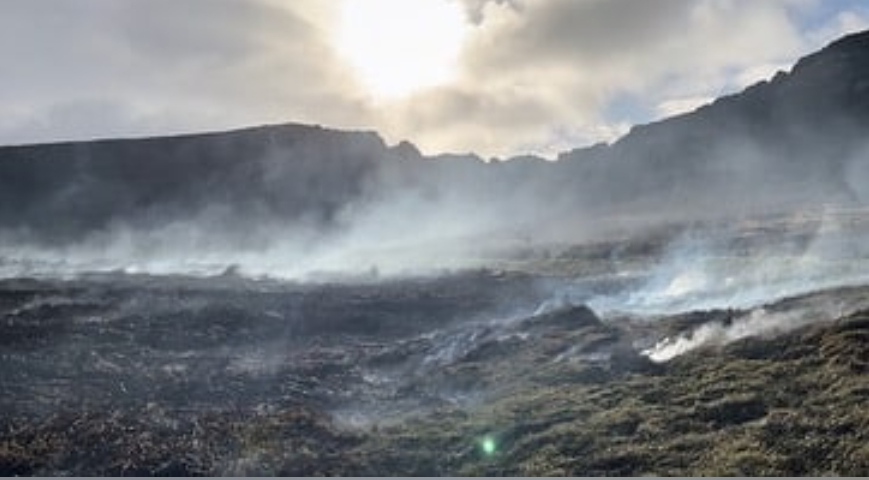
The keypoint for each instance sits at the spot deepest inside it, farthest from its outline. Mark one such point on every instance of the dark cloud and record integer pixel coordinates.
(582, 31)
(475, 8)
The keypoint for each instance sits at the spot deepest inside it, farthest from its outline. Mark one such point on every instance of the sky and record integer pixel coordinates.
(495, 77)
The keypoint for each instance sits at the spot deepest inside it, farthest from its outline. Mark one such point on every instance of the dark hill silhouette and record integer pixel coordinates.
(793, 141)
(796, 141)
(67, 189)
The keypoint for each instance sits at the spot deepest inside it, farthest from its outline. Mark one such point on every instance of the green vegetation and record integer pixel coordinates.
(798, 412)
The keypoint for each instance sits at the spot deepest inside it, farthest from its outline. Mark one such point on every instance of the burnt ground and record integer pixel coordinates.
(465, 374)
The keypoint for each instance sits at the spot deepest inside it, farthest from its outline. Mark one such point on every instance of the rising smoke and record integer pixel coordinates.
(303, 203)
(745, 268)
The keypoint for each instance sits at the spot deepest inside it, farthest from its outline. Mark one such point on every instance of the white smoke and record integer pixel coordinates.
(401, 232)
(705, 271)
(400, 237)
(758, 322)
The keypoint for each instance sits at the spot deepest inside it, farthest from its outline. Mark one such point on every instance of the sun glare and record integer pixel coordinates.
(398, 47)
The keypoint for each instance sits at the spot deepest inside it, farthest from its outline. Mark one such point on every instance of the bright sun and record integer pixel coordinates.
(398, 47)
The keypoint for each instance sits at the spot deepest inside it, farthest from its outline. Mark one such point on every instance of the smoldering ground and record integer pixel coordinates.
(182, 359)
(286, 299)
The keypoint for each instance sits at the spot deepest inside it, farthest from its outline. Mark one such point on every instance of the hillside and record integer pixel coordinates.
(794, 142)
(293, 300)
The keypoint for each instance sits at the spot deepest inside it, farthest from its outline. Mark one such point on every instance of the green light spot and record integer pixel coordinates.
(488, 445)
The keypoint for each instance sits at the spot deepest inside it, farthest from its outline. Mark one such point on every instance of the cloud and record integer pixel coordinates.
(676, 106)
(538, 66)
(851, 20)
(162, 66)
(538, 75)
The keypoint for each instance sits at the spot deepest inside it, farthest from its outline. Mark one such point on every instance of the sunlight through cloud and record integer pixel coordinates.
(397, 47)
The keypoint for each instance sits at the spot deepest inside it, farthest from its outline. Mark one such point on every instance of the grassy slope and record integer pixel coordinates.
(792, 405)
(789, 406)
